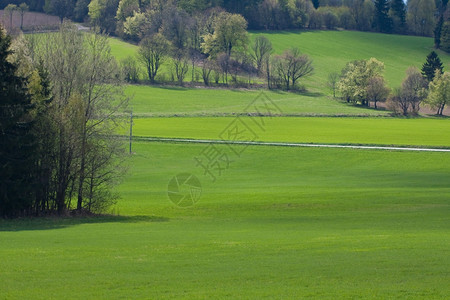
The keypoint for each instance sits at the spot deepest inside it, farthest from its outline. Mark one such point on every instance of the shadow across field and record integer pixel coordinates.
(50, 223)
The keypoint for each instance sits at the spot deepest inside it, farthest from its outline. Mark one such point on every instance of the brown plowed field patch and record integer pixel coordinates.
(31, 21)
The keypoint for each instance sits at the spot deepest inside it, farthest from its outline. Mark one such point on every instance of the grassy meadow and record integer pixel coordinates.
(397, 52)
(331, 50)
(277, 222)
(150, 101)
(369, 131)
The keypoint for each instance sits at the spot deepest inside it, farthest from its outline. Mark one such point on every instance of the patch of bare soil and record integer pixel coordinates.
(424, 109)
(31, 21)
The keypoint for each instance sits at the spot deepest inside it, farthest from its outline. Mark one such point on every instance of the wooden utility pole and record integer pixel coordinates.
(131, 129)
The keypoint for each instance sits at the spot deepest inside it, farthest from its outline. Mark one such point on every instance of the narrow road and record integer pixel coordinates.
(283, 144)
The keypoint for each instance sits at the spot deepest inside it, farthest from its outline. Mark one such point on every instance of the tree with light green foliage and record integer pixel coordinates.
(126, 9)
(133, 26)
(230, 33)
(102, 14)
(439, 92)
(355, 78)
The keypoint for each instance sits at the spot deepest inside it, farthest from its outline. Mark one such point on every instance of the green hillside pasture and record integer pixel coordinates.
(169, 101)
(331, 50)
(279, 223)
(371, 131)
(121, 50)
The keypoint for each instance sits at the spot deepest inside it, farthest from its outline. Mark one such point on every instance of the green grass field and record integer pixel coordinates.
(331, 50)
(373, 131)
(279, 223)
(169, 101)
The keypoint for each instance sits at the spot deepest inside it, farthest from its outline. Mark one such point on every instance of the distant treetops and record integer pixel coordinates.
(418, 17)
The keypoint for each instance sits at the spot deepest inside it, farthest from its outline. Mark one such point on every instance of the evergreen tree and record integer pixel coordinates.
(432, 64)
(398, 15)
(438, 32)
(316, 3)
(383, 23)
(17, 144)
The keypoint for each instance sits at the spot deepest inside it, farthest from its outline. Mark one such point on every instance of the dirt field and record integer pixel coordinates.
(31, 21)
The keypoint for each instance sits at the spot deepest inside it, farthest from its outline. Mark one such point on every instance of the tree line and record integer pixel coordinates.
(60, 95)
(216, 50)
(418, 17)
(361, 82)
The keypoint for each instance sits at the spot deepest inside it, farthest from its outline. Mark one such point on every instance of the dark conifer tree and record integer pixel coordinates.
(438, 32)
(398, 10)
(383, 23)
(17, 143)
(316, 3)
(432, 64)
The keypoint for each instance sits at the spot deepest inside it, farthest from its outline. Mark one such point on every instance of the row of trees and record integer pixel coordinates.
(361, 82)
(10, 9)
(186, 22)
(418, 17)
(217, 50)
(59, 98)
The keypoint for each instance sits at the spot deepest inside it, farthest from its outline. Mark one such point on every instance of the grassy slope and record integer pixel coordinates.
(331, 50)
(382, 131)
(277, 223)
(166, 101)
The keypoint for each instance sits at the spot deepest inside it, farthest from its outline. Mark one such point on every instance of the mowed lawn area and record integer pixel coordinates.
(370, 131)
(278, 223)
(148, 101)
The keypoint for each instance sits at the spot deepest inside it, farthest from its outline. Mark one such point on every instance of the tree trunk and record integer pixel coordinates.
(82, 172)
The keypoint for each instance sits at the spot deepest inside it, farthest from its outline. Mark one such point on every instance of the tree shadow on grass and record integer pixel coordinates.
(310, 94)
(50, 223)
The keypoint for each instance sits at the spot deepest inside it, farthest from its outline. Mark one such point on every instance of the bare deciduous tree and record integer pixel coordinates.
(262, 49)
(291, 66)
(377, 91)
(87, 94)
(180, 65)
(333, 79)
(152, 51)
(406, 99)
